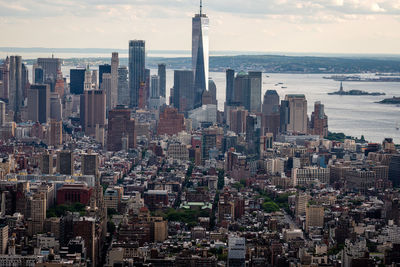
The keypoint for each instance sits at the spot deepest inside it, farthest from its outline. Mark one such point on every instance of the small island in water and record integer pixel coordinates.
(391, 101)
(354, 92)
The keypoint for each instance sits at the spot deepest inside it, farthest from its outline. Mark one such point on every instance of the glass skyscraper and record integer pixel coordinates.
(200, 23)
(137, 57)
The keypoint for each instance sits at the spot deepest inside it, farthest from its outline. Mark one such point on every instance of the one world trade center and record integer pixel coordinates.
(200, 23)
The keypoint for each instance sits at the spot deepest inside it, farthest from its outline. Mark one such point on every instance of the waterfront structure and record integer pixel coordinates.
(137, 59)
(200, 56)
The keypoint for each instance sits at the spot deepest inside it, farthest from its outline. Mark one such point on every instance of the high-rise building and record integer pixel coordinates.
(237, 252)
(171, 122)
(120, 126)
(38, 213)
(46, 163)
(94, 79)
(37, 74)
(3, 236)
(2, 113)
(237, 120)
(284, 116)
(90, 164)
(39, 103)
(314, 216)
(208, 142)
(230, 87)
(123, 87)
(55, 107)
(147, 78)
(210, 96)
(106, 87)
(163, 79)
(88, 83)
(105, 68)
(394, 170)
(65, 162)
(77, 80)
(55, 133)
(5, 78)
(253, 135)
(15, 87)
(154, 101)
(319, 121)
(271, 113)
(254, 98)
(298, 121)
(51, 66)
(137, 60)
(93, 111)
(200, 48)
(183, 98)
(114, 79)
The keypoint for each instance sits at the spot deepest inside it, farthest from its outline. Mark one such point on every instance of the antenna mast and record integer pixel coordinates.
(201, 7)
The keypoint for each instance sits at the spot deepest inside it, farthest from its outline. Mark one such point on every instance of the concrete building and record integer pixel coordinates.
(309, 175)
(171, 122)
(38, 213)
(314, 216)
(39, 103)
(319, 121)
(236, 252)
(123, 86)
(178, 151)
(65, 162)
(55, 135)
(120, 126)
(90, 164)
(93, 111)
(298, 121)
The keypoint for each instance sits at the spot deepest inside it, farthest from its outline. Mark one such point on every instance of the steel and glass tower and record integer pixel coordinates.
(137, 56)
(200, 47)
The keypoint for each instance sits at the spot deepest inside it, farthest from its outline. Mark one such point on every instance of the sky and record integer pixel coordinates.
(315, 26)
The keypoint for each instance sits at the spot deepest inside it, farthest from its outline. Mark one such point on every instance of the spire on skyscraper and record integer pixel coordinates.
(201, 6)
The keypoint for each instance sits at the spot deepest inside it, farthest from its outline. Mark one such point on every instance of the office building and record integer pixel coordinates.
(155, 99)
(253, 99)
(105, 68)
(163, 79)
(106, 88)
(271, 113)
(90, 164)
(15, 100)
(93, 111)
(3, 237)
(38, 213)
(51, 67)
(230, 87)
(183, 97)
(298, 121)
(5, 78)
(114, 80)
(319, 121)
(37, 74)
(55, 133)
(88, 82)
(65, 162)
(394, 170)
(39, 103)
(55, 107)
(2, 113)
(284, 116)
(77, 80)
(200, 53)
(237, 120)
(236, 252)
(137, 59)
(46, 163)
(120, 127)
(171, 122)
(123, 86)
(314, 216)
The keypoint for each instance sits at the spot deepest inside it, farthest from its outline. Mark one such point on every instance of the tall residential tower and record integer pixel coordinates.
(137, 57)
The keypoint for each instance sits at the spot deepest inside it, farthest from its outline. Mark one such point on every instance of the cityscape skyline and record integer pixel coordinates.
(323, 26)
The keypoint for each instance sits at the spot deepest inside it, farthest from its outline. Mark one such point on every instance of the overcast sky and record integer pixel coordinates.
(325, 26)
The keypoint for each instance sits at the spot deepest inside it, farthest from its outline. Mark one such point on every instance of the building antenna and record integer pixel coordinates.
(201, 6)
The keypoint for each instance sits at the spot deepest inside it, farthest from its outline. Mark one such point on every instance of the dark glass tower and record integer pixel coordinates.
(137, 57)
(230, 87)
(163, 79)
(183, 93)
(106, 68)
(77, 80)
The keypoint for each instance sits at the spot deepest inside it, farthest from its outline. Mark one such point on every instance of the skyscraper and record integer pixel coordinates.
(15, 86)
(319, 121)
(50, 67)
(65, 162)
(87, 85)
(183, 93)
(39, 103)
(154, 101)
(123, 87)
(93, 110)
(163, 79)
(120, 126)
(5, 78)
(230, 87)
(297, 114)
(105, 68)
(77, 80)
(137, 59)
(254, 98)
(106, 87)
(270, 113)
(200, 47)
(114, 79)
